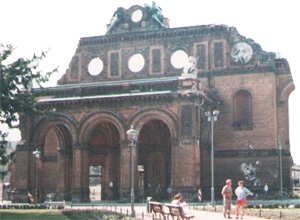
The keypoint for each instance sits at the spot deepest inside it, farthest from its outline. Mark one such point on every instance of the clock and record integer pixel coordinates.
(241, 53)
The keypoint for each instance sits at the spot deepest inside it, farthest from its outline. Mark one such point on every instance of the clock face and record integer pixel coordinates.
(241, 53)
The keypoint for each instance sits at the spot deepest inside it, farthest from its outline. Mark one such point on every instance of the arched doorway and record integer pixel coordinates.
(56, 164)
(154, 159)
(104, 162)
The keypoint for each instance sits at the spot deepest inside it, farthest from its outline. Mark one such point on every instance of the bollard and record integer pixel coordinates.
(260, 213)
(127, 212)
(148, 204)
(280, 215)
(142, 215)
(121, 211)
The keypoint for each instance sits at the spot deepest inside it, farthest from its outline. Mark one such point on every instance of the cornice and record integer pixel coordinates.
(150, 34)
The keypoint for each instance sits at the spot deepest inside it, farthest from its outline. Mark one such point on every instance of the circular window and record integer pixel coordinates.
(136, 63)
(95, 66)
(137, 15)
(179, 59)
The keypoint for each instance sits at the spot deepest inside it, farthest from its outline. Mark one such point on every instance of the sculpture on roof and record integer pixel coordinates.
(155, 13)
(190, 69)
(117, 18)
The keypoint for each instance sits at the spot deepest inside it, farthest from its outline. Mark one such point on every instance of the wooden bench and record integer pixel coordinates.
(158, 211)
(177, 213)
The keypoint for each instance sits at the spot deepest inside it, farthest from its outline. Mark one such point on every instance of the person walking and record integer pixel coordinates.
(241, 192)
(266, 189)
(227, 198)
(169, 193)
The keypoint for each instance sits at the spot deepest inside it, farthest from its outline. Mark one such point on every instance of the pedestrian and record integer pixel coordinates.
(178, 198)
(227, 198)
(266, 189)
(241, 192)
(169, 193)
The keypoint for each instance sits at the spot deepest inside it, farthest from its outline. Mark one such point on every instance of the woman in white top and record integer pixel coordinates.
(178, 201)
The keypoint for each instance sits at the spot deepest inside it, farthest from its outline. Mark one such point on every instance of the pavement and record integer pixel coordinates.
(203, 215)
(195, 209)
(142, 214)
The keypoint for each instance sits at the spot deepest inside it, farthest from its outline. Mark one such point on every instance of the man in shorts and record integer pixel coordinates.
(241, 192)
(227, 197)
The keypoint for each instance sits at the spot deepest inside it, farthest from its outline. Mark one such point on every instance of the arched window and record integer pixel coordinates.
(242, 109)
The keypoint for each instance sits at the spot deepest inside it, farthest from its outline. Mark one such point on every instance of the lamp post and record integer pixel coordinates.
(37, 154)
(132, 136)
(2, 179)
(280, 165)
(212, 118)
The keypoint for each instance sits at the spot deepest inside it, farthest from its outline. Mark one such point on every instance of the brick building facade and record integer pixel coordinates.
(132, 76)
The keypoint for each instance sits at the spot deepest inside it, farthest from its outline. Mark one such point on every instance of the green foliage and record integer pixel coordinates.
(16, 80)
(32, 214)
(94, 215)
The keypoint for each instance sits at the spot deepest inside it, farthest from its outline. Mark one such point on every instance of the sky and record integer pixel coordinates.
(33, 26)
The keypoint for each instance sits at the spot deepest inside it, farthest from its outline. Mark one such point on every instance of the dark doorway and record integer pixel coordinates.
(154, 159)
(104, 161)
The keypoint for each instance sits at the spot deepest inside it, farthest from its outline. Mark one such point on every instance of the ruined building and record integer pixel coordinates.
(138, 74)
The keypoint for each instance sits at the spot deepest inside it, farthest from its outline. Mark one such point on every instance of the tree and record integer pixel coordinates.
(16, 80)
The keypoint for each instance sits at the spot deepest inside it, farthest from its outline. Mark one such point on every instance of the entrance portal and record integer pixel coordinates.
(104, 162)
(154, 159)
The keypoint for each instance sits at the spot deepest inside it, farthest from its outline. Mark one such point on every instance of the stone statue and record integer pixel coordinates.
(117, 18)
(155, 13)
(190, 69)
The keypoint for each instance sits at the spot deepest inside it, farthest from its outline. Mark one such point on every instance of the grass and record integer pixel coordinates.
(94, 215)
(32, 214)
(286, 214)
(46, 214)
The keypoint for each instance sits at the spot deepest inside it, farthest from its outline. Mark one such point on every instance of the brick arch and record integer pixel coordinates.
(284, 90)
(143, 116)
(88, 123)
(64, 125)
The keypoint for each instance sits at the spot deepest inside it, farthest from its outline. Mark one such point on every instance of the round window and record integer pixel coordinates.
(179, 59)
(136, 63)
(95, 66)
(137, 15)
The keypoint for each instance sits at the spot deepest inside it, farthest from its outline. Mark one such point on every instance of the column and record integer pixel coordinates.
(23, 173)
(80, 189)
(125, 171)
(61, 175)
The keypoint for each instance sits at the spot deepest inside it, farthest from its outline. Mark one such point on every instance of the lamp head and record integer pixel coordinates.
(216, 112)
(37, 153)
(132, 134)
(279, 143)
(207, 114)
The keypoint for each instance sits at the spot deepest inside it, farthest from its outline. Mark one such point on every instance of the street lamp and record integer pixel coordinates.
(2, 179)
(37, 154)
(132, 136)
(280, 165)
(212, 117)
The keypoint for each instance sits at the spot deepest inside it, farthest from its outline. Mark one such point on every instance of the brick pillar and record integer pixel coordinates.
(61, 175)
(22, 173)
(80, 190)
(186, 169)
(125, 171)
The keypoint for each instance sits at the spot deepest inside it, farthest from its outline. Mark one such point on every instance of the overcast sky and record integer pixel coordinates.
(33, 26)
